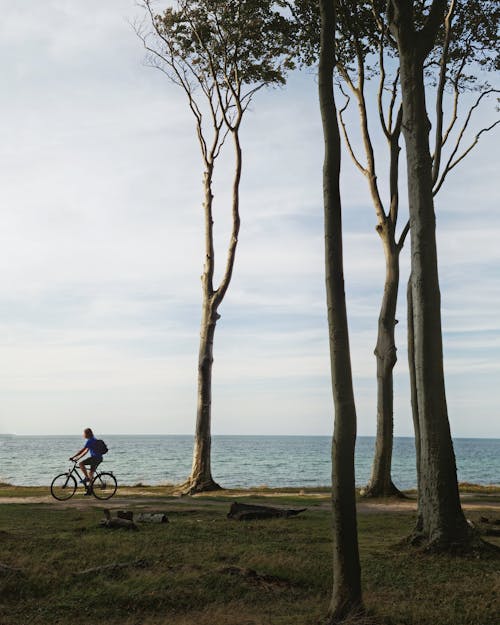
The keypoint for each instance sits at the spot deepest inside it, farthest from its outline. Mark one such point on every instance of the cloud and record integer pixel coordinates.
(101, 238)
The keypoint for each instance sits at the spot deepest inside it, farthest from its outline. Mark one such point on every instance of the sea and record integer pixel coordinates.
(237, 461)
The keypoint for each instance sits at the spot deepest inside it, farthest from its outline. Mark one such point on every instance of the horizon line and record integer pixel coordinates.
(494, 437)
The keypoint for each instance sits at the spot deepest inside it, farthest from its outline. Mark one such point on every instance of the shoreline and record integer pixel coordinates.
(7, 489)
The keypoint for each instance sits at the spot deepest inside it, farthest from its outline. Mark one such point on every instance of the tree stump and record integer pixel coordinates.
(246, 512)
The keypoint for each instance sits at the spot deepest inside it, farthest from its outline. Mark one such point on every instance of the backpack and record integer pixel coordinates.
(100, 447)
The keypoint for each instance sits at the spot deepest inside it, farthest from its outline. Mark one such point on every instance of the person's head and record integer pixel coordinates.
(87, 433)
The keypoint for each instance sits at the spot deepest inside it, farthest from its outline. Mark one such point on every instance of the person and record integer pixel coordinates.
(93, 461)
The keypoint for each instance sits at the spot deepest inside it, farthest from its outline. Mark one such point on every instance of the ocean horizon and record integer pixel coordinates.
(238, 461)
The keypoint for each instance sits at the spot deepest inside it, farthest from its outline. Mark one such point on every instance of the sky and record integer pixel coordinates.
(101, 251)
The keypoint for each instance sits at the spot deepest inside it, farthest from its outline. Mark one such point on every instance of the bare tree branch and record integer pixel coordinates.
(456, 96)
(440, 93)
(226, 279)
(453, 160)
(403, 236)
(394, 168)
(451, 164)
(394, 92)
(341, 110)
(381, 83)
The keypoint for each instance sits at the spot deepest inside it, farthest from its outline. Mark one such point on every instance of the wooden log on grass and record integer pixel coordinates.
(117, 523)
(143, 517)
(247, 512)
(152, 517)
(125, 514)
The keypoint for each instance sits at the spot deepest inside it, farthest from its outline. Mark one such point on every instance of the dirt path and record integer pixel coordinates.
(364, 507)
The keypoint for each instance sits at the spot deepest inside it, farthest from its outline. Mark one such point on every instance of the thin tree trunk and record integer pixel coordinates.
(381, 484)
(346, 595)
(413, 394)
(443, 522)
(201, 473)
(200, 478)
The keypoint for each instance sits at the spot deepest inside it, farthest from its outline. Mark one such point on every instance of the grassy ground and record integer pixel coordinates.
(195, 569)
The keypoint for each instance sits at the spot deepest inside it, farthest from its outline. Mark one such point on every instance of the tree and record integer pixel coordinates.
(220, 53)
(441, 524)
(346, 595)
(466, 40)
(465, 46)
(361, 38)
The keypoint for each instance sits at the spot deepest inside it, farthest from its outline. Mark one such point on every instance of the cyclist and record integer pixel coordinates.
(93, 462)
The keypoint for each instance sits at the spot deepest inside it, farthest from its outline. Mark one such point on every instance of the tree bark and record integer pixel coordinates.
(346, 595)
(247, 512)
(443, 522)
(381, 484)
(201, 478)
(201, 472)
(413, 395)
(442, 516)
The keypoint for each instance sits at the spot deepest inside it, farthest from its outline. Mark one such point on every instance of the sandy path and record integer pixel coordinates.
(364, 507)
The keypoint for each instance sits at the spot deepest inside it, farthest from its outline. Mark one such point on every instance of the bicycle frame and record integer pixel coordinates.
(103, 484)
(80, 477)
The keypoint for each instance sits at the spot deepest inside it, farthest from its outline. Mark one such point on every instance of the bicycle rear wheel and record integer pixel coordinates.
(104, 485)
(63, 487)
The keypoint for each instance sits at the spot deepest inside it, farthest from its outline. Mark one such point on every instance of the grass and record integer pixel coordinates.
(194, 570)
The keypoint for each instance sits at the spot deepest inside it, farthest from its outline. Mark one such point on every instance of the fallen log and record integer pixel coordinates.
(125, 514)
(143, 517)
(152, 517)
(117, 523)
(247, 512)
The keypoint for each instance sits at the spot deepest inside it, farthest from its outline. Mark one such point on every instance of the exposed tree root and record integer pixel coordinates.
(193, 486)
(375, 491)
(355, 617)
(469, 544)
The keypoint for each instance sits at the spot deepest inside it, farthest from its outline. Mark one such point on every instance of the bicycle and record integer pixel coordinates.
(64, 485)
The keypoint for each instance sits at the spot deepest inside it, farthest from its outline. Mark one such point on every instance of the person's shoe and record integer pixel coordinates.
(87, 493)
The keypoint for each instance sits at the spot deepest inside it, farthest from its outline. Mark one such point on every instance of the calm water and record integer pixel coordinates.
(237, 461)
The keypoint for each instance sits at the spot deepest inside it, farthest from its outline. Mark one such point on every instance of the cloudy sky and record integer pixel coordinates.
(100, 242)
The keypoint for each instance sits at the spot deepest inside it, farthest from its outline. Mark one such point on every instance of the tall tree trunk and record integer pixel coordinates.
(201, 475)
(381, 484)
(413, 394)
(200, 478)
(443, 522)
(201, 472)
(346, 595)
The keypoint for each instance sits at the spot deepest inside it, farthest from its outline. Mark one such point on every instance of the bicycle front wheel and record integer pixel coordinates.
(63, 487)
(104, 485)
